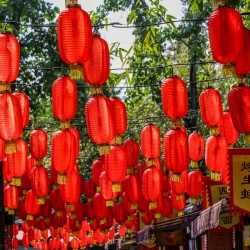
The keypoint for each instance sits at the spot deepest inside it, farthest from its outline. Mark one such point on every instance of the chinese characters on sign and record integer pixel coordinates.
(219, 240)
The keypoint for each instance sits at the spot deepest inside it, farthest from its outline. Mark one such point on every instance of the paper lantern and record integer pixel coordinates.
(89, 209)
(100, 207)
(142, 204)
(100, 121)
(119, 214)
(25, 107)
(158, 209)
(89, 188)
(2, 149)
(151, 141)
(117, 157)
(128, 206)
(64, 100)
(46, 208)
(167, 210)
(56, 200)
(11, 123)
(132, 152)
(15, 243)
(226, 35)
(7, 175)
(11, 198)
(148, 217)
(90, 240)
(97, 68)
(63, 155)
(178, 203)
(31, 205)
(75, 132)
(9, 58)
(177, 187)
(140, 168)
(97, 168)
(74, 39)
(131, 186)
(165, 184)
(174, 99)
(74, 243)
(227, 129)
(80, 213)
(38, 144)
(25, 241)
(195, 148)
(194, 186)
(216, 155)
(95, 225)
(31, 163)
(25, 184)
(21, 209)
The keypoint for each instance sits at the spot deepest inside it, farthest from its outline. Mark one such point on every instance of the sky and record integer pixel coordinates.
(123, 36)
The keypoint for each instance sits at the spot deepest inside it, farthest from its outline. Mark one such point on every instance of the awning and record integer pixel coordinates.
(208, 219)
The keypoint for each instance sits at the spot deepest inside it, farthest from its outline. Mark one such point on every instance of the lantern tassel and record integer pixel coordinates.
(215, 176)
(96, 90)
(116, 187)
(29, 217)
(78, 224)
(193, 199)
(118, 140)
(47, 197)
(194, 164)
(152, 204)
(228, 69)
(247, 139)
(214, 130)
(180, 197)
(70, 207)
(39, 162)
(134, 205)
(62, 178)
(4, 87)
(58, 213)
(76, 71)
(176, 177)
(41, 200)
(11, 212)
(216, 3)
(157, 215)
(130, 217)
(10, 147)
(180, 213)
(151, 163)
(142, 214)
(98, 189)
(17, 181)
(109, 203)
(64, 124)
(72, 216)
(102, 221)
(47, 219)
(130, 171)
(104, 150)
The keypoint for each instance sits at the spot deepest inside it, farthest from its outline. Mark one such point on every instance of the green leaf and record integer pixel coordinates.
(128, 78)
(152, 30)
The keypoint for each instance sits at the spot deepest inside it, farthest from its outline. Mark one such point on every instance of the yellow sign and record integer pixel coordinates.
(228, 221)
(241, 181)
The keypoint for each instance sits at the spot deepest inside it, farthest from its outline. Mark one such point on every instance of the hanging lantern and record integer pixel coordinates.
(174, 99)
(80, 213)
(74, 38)
(10, 199)
(132, 149)
(178, 203)
(211, 109)
(128, 206)
(90, 213)
(120, 114)
(167, 210)
(97, 68)
(25, 184)
(56, 201)
(239, 107)
(158, 209)
(179, 188)
(25, 241)
(63, 155)
(38, 144)
(216, 155)
(154, 162)
(165, 184)
(151, 141)
(17, 162)
(21, 209)
(131, 186)
(7, 175)
(119, 214)
(109, 219)
(2, 149)
(176, 152)
(142, 204)
(95, 225)
(64, 100)
(195, 149)
(25, 107)
(31, 205)
(117, 157)
(152, 185)
(89, 188)
(97, 168)
(227, 129)
(100, 208)
(75, 132)
(226, 36)
(71, 192)
(15, 243)
(31, 163)
(59, 220)
(46, 209)
(90, 240)
(140, 169)
(10, 59)
(74, 243)
(194, 186)
(11, 124)
(148, 217)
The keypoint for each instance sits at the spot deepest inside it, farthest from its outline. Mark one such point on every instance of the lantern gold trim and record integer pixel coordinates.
(62, 178)
(215, 176)
(116, 187)
(76, 69)
(10, 147)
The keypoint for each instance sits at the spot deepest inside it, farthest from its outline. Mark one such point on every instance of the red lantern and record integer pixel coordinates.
(194, 186)
(56, 200)
(31, 205)
(165, 184)
(147, 217)
(158, 209)
(119, 214)
(40, 183)
(63, 156)
(100, 121)
(167, 210)
(74, 38)
(117, 157)
(132, 152)
(83, 242)
(17, 161)
(11, 123)
(95, 225)
(38, 144)
(25, 107)
(151, 141)
(2, 149)
(25, 241)
(41, 224)
(179, 187)
(109, 219)
(11, 198)
(64, 98)
(21, 209)
(226, 35)
(176, 151)
(7, 176)
(140, 169)
(195, 148)
(25, 184)
(90, 240)
(74, 243)
(227, 128)
(89, 188)
(178, 203)
(15, 243)
(97, 68)
(97, 168)
(121, 230)
(90, 214)
(142, 204)
(75, 132)
(111, 233)
(46, 209)
(128, 206)
(216, 155)
(238, 102)
(174, 98)
(152, 185)
(100, 207)
(9, 58)
(31, 163)
(131, 186)
(211, 108)
(59, 220)
(80, 213)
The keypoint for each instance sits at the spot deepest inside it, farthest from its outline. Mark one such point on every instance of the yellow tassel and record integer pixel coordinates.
(104, 150)
(216, 3)
(11, 212)
(98, 189)
(4, 87)
(71, 3)
(20, 198)
(176, 123)
(180, 213)
(134, 205)
(176, 177)
(5, 181)
(56, 186)
(29, 217)
(247, 139)
(228, 69)
(96, 90)
(38, 218)
(78, 224)
(116, 187)
(76, 70)
(62, 178)
(89, 199)
(130, 217)
(157, 215)
(41, 200)
(47, 197)
(72, 216)
(59, 213)
(64, 124)
(118, 139)
(193, 199)
(91, 221)
(130, 171)
(10, 147)
(241, 81)
(47, 219)
(109, 203)
(180, 197)
(165, 194)
(194, 164)
(102, 221)
(39, 162)
(166, 218)
(215, 176)
(230, 146)
(214, 130)
(25, 192)
(152, 204)
(151, 163)
(17, 181)
(70, 207)
(142, 213)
